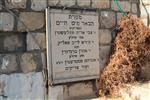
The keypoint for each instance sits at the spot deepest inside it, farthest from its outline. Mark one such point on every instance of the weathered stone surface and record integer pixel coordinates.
(104, 55)
(23, 86)
(6, 22)
(14, 42)
(107, 19)
(134, 8)
(28, 62)
(125, 5)
(8, 63)
(32, 20)
(56, 93)
(85, 3)
(15, 3)
(80, 90)
(67, 2)
(36, 41)
(145, 2)
(105, 36)
(138, 91)
(38, 5)
(53, 2)
(144, 10)
(119, 15)
(43, 55)
(100, 4)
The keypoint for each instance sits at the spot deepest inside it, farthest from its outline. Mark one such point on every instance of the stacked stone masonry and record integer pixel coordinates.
(23, 46)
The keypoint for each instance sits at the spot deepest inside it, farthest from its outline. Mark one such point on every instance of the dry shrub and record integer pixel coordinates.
(131, 51)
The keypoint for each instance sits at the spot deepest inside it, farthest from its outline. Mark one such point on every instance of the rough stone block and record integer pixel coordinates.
(15, 42)
(84, 3)
(56, 93)
(28, 62)
(134, 8)
(15, 4)
(107, 19)
(104, 55)
(36, 41)
(53, 2)
(38, 5)
(6, 22)
(125, 5)
(8, 63)
(100, 4)
(105, 36)
(32, 20)
(23, 86)
(82, 90)
(67, 2)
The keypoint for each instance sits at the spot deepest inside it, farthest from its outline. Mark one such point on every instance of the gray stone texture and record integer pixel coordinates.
(31, 20)
(107, 19)
(38, 5)
(125, 5)
(6, 21)
(8, 63)
(105, 36)
(102, 4)
(11, 4)
(36, 41)
(84, 3)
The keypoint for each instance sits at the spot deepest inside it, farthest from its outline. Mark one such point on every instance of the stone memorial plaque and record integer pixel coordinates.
(73, 46)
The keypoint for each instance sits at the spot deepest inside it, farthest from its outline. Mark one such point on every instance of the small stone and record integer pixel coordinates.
(85, 3)
(104, 55)
(107, 19)
(125, 5)
(14, 43)
(36, 41)
(15, 4)
(38, 5)
(134, 8)
(105, 36)
(28, 63)
(68, 2)
(8, 63)
(32, 20)
(53, 2)
(100, 4)
(6, 22)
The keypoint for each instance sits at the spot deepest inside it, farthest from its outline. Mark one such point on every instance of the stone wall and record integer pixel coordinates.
(23, 47)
